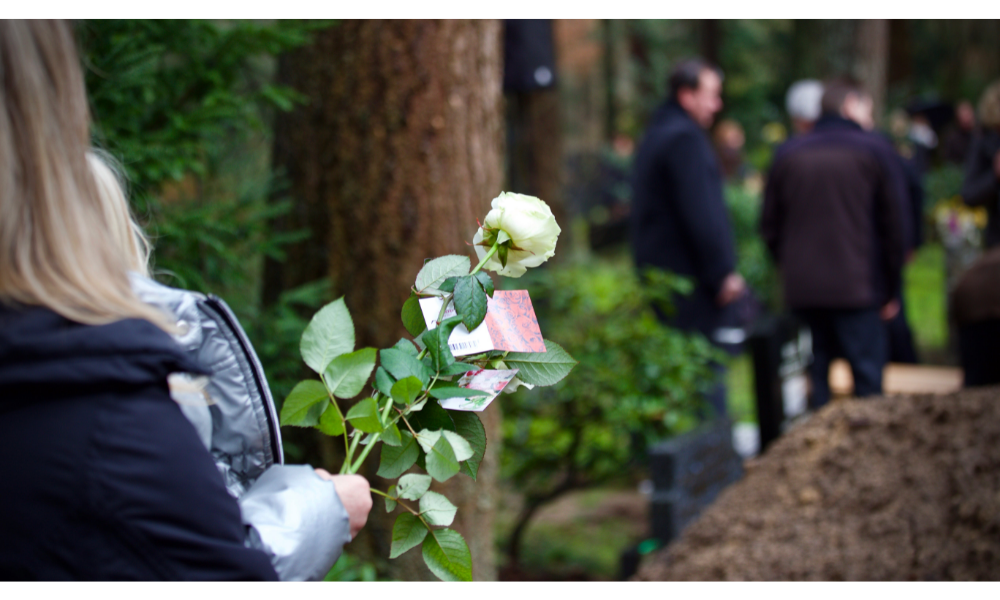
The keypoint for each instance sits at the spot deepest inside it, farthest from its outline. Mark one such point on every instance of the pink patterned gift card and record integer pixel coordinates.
(510, 325)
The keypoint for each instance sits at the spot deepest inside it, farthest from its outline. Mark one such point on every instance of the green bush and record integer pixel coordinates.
(637, 383)
(184, 105)
(753, 260)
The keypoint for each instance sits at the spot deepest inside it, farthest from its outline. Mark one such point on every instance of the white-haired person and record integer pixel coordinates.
(103, 476)
(299, 516)
(803, 104)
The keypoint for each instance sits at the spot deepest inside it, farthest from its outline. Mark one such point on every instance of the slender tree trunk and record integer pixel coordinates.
(534, 152)
(711, 40)
(397, 154)
(873, 60)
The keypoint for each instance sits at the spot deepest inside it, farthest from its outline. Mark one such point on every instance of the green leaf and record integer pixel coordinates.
(413, 486)
(428, 439)
(406, 346)
(459, 368)
(329, 334)
(468, 425)
(437, 343)
(542, 368)
(436, 271)
(470, 301)
(364, 416)
(394, 461)
(401, 365)
(447, 555)
(298, 409)
(486, 281)
(462, 448)
(383, 382)
(502, 255)
(441, 462)
(407, 533)
(347, 374)
(413, 318)
(432, 417)
(332, 421)
(448, 285)
(443, 393)
(436, 509)
(390, 503)
(405, 391)
(391, 435)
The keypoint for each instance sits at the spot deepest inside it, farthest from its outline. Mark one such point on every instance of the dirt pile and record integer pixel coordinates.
(901, 488)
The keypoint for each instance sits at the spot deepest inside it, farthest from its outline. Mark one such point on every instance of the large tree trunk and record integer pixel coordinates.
(397, 154)
(873, 60)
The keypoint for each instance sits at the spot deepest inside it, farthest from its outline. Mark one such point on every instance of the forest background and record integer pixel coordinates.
(275, 163)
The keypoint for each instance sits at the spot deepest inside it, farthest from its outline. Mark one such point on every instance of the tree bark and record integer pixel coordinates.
(534, 152)
(872, 55)
(397, 154)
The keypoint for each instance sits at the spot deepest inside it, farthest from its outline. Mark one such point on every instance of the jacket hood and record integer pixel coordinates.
(54, 357)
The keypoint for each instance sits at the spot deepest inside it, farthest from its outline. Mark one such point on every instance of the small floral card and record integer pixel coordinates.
(490, 381)
(510, 325)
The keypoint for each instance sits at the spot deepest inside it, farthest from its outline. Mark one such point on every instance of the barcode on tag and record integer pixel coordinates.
(462, 345)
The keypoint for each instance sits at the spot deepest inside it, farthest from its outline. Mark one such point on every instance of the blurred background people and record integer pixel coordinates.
(832, 221)
(957, 138)
(975, 309)
(802, 101)
(982, 168)
(679, 219)
(729, 140)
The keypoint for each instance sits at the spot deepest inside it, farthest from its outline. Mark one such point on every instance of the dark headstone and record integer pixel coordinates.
(688, 472)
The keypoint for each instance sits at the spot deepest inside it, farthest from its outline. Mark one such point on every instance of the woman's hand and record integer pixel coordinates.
(355, 494)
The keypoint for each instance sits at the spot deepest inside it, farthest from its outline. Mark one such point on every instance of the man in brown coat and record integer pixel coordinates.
(832, 219)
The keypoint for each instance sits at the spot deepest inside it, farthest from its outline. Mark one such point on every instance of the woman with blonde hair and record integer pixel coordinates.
(982, 166)
(103, 477)
(300, 517)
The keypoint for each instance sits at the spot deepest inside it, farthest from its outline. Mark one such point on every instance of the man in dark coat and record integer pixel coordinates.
(679, 220)
(832, 219)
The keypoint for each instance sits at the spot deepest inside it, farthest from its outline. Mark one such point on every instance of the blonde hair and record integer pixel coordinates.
(126, 234)
(54, 247)
(989, 106)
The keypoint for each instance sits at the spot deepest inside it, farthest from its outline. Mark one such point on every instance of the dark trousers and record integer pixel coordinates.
(979, 347)
(859, 335)
(901, 348)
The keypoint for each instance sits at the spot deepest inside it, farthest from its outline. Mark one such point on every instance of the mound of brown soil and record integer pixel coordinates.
(901, 488)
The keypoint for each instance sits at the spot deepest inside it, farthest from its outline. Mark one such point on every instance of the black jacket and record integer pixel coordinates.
(981, 186)
(679, 219)
(833, 217)
(103, 476)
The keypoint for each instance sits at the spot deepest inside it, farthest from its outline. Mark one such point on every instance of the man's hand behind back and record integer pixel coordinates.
(733, 286)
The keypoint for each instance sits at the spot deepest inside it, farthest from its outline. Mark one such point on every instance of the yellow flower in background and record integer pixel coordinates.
(525, 230)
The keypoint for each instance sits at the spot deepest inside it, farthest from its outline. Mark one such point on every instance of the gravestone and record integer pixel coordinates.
(688, 472)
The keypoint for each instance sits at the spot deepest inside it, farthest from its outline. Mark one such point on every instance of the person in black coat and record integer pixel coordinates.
(679, 221)
(105, 479)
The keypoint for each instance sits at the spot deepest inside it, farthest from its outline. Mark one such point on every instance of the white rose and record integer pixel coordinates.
(531, 228)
